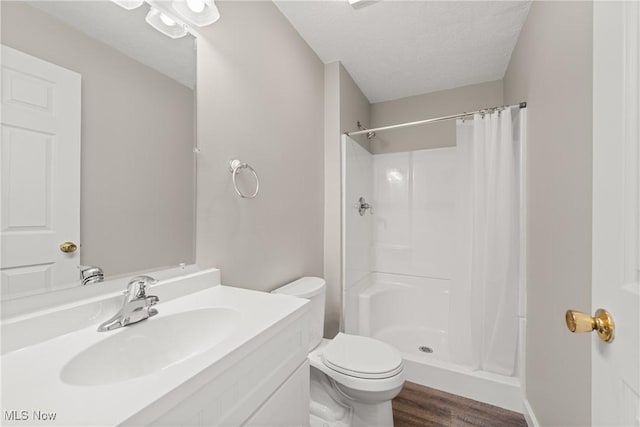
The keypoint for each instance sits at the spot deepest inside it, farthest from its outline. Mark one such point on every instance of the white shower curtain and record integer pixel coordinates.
(483, 327)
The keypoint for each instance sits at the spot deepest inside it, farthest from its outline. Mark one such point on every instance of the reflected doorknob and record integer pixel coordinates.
(602, 322)
(68, 247)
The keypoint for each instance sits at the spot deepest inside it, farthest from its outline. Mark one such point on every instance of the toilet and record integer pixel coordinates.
(353, 378)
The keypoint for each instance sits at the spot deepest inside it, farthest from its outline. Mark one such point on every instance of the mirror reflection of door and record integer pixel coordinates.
(40, 174)
(137, 166)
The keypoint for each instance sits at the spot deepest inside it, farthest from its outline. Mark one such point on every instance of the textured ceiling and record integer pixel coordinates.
(127, 32)
(394, 49)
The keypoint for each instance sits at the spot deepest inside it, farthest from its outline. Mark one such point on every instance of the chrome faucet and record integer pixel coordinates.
(137, 305)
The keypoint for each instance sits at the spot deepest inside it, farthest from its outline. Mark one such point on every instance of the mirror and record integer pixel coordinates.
(98, 137)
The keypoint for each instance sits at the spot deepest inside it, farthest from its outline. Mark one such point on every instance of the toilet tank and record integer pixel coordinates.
(313, 289)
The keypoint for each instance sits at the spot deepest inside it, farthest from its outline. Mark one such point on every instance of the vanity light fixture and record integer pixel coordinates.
(129, 4)
(166, 24)
(172, 18)
(197, 12)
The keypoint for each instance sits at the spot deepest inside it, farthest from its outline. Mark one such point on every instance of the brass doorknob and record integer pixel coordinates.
(601, 322)
(68, 247)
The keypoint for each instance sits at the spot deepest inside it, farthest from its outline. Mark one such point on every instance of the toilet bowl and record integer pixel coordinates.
(353, 378)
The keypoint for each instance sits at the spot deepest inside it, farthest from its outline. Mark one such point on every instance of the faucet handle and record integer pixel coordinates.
(90, 274)
(138, 285)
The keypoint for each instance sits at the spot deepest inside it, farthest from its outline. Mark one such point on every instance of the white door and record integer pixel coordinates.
(40, 175)
(616, 214)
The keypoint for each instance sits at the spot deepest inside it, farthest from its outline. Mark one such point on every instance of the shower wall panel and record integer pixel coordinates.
(414, 212)
(357, 232)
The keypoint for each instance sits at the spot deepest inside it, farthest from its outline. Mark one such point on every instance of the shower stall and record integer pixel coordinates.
(418, 272)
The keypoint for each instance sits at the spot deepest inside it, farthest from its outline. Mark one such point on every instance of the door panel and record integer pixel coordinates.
(616, 214)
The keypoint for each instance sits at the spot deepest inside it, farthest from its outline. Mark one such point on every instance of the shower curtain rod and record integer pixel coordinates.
(437, 119)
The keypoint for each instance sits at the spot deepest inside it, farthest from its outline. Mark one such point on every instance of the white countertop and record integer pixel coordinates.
(31, 379)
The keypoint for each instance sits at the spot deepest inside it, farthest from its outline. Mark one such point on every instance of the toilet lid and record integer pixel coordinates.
(361, 357)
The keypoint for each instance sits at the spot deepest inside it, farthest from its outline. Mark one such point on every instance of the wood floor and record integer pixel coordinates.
(418, 406)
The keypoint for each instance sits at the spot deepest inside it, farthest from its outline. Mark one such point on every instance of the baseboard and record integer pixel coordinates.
(529, 416)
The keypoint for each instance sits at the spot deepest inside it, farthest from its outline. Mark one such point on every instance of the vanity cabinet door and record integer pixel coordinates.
(289, 405)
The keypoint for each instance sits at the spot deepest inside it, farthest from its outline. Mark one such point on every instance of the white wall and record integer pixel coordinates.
(260, 100)
(137, 182)
(551, 68)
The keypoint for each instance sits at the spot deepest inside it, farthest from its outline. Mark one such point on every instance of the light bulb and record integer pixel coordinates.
(166, 20)
(165, 24)
(196, 6)
(195, 12)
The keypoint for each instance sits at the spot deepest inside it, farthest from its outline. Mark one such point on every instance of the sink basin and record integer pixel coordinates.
(149, 346)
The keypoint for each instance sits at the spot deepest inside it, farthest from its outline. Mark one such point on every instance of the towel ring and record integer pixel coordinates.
(236, 166)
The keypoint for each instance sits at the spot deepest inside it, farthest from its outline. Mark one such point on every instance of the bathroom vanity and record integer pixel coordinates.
(213, 355)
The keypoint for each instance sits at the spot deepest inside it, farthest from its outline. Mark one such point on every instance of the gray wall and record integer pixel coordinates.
(332, 199)
(345, 105)
(354, 107)
(419, 107)
(260, 100)
(551, 67)
(137, 190)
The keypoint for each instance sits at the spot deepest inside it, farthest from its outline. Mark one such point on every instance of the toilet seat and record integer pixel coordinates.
(362, 357)
(353, 381)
